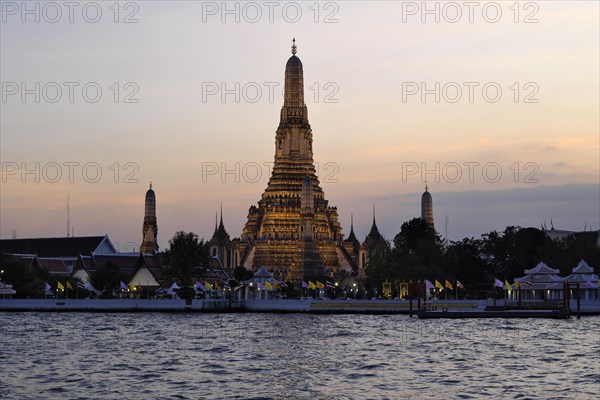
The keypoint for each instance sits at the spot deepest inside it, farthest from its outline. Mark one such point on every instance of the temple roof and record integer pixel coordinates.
(220, 235)
(352, 237)
(583, 268)
(542, 268)
(53, 247)
(374, 234)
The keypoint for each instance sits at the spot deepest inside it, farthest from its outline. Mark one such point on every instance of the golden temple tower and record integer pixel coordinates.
(293, 231)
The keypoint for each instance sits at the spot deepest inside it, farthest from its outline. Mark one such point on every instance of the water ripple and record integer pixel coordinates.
(295, 356)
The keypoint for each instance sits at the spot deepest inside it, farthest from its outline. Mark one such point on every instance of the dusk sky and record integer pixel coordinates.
(530, 139)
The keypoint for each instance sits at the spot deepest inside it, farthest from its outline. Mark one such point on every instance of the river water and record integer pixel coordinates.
(294, 356)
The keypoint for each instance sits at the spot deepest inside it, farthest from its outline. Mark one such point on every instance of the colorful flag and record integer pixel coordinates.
(304, 285)
(200, 286)
(260, 286)
(438, 285)
(276, 285)
(217, 285)
(208, 285)
(268, 285)
(80, 285)
(329, 285)
(459, 285)
(428, 285)
(517, 285)
(69, 286)
(498, 283)
(320, 285)
(311, 285)
(131, 286)
(122, 285)
(284, 285)
(448, 285)
(507, 285)
(60, 286)
(47, 286)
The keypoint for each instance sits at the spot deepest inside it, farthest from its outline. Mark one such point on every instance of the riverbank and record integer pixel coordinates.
(435, 309)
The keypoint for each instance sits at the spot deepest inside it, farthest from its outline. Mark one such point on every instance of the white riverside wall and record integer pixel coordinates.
(299, 305)
(97, 304)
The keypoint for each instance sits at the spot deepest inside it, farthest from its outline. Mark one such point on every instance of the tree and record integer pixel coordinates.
(240, 274)
(27, 281)
(418, 250)
(185, 256)
(467, 263)
(108, 279)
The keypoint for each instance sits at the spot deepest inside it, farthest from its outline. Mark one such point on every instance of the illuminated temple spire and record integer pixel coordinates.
(293, 232)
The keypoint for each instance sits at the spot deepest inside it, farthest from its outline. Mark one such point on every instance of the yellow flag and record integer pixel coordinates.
(268, 285)
(438, 285)
(69, 285)
(131, 286)
(311, 285)
(60, 286)
(517, 285)
(507, 285)
(449, 285)
(320, 285)
(207, 285)
(276, 285)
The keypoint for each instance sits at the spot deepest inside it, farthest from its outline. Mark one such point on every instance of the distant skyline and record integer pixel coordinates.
(373, 134)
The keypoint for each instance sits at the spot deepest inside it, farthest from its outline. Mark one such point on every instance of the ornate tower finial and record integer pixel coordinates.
(221, 220)
(426, 187)
(294, 48)
(150, 183)
(373, 213)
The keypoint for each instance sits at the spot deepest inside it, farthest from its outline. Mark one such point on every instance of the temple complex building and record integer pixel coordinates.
(220, 245)
(293, 231)
(374, 243)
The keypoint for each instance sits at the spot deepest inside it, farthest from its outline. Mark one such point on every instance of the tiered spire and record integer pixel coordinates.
(427, 206)
(150, 225)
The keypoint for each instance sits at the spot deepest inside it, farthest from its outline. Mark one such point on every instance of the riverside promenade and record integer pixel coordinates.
(436, 308)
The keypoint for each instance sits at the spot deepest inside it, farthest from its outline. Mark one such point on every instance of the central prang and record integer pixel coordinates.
(275, 234)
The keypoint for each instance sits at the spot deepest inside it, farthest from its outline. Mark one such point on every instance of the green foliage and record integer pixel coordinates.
(27, 281)
(241, 274)
(292, 291)
(185, 256)
(108, 279)
(186, 293)
(419, 253)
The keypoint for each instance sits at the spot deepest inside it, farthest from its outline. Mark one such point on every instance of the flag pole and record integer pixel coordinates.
(456, 289)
